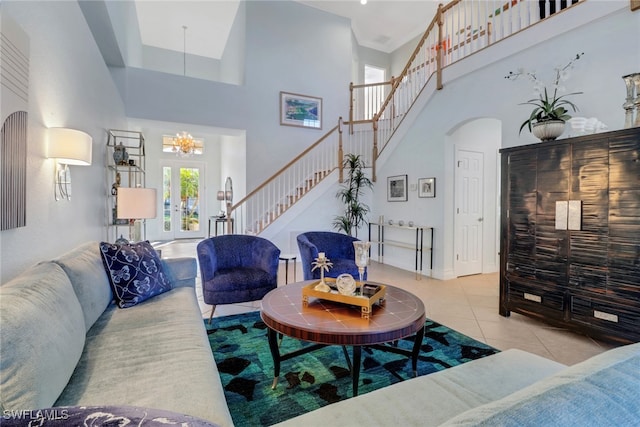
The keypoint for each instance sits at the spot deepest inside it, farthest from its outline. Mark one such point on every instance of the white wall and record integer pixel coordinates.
(170, 61)
(367, 56)
(233, 57)
(234, 165)
(400, 56)
(125, 28)
(318, 65)
(298, 49)
(70, 86)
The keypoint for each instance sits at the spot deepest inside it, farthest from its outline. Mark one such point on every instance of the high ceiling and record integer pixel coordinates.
(208, 24)
(383, 25)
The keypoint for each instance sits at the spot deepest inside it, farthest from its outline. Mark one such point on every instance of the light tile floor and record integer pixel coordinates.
(467, 304)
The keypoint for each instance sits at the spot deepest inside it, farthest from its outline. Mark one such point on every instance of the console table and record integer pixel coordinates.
(219, 221)
(423, 235)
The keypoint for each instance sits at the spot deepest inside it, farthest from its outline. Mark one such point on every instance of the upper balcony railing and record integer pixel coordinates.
(459, 29)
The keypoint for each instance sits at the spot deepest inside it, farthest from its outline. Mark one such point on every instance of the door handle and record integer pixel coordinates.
(480, 219)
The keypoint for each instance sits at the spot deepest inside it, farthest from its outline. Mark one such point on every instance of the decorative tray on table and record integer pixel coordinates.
(372, 294)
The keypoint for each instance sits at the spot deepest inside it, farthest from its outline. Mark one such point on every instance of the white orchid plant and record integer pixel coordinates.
(549, 105)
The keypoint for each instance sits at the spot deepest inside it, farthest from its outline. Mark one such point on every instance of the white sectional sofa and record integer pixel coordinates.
(63, 342)
(511, 388)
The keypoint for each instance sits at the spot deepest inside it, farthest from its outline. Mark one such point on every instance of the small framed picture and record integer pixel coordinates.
(397, 188)
(300, 110)
(427, 187)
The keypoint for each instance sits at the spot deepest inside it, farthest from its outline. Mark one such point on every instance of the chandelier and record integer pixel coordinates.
(183, 144)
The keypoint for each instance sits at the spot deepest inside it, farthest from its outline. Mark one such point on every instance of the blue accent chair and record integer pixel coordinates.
(337, 247)
(237, 268)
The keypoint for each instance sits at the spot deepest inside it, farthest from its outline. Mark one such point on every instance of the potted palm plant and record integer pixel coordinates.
(547, 120)
(355, 211)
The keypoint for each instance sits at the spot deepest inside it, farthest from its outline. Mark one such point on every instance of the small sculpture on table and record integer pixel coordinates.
(346, 284)
(362, 259)
(322, 262)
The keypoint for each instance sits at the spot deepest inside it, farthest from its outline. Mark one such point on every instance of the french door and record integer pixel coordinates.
(183, 200)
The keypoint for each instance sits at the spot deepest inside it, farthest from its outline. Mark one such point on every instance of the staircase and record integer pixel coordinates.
(376, 111)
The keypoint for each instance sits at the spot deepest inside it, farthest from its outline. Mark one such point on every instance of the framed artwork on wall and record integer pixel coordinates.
(300, 110)
(397, 188)
(427, 187)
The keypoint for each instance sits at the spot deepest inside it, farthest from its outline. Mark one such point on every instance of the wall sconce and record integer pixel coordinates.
(136, 204)
(67, 147)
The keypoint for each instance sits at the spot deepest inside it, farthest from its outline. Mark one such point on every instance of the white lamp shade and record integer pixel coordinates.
(70, 146)
(136, 203)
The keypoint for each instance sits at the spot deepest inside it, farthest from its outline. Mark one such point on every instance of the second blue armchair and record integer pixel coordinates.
(337, 247)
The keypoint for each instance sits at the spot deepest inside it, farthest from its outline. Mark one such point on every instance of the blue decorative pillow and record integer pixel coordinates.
(135, 272)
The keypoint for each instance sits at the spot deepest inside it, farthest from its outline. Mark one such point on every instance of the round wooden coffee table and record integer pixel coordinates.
(330, 323)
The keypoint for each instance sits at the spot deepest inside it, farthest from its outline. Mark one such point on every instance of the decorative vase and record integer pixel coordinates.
(346, 284)
(120, 155)
(361, 249)
(628, 105)
(548, 130)
(636, 82)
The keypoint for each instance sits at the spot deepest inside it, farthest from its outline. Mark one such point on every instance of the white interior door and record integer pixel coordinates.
(469, 218)
(184, 204)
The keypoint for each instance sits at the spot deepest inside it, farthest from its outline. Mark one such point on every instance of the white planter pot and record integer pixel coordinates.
(549, 130)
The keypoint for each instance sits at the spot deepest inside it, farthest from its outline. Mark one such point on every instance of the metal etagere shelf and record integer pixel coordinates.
(423, 243)
(129, 172)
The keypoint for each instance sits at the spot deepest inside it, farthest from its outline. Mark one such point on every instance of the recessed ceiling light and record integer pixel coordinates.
(363, 1)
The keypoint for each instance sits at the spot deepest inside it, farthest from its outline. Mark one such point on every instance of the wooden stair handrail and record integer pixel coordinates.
(284, 168)
(405, 70)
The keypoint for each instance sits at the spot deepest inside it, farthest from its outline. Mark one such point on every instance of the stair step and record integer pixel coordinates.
(290, 200)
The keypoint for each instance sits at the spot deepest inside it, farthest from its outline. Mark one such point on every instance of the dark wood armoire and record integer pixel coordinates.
(570, 233)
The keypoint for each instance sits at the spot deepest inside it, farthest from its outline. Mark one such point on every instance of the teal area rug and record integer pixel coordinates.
(310, 381)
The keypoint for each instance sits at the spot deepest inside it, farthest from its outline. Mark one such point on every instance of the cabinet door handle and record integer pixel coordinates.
(480, 219)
